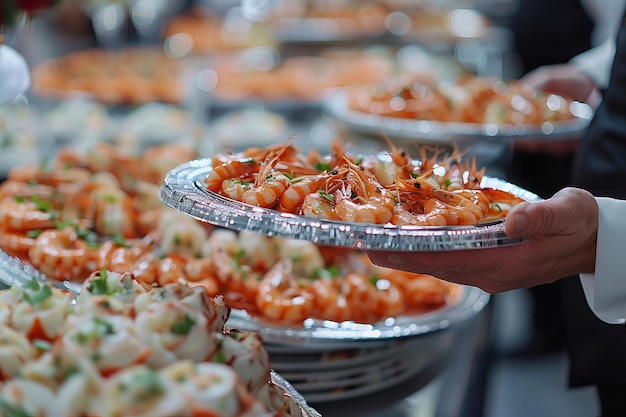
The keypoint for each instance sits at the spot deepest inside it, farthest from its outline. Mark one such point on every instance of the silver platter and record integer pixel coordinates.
(434, 132)
(313, 333)
(332, 335)
(183, 189)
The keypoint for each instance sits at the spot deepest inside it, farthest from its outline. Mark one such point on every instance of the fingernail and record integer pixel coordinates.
(520, 222)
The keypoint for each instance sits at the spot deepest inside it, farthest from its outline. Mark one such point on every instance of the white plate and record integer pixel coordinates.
(435, 132)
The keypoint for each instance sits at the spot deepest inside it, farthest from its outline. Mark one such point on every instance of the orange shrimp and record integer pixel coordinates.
(440, 207)
(389, 298)
(200, 271)
(421, 291)
(477, 197)
(350, 297)
(269, 185)
(319, 205)
(500, 202)
(293, 197)
(113, 213)
(228, 170)
(235, 188)
(401, 159)
(239, 282)
(21, 215)
(136, 256)
(372, 204)
(280, 297)
(63, 255)
(171, 268)
(53, 176)
(16, 244)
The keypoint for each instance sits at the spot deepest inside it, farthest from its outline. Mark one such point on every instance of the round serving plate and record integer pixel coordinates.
(330, 335)
(183, 189)
(438, 133)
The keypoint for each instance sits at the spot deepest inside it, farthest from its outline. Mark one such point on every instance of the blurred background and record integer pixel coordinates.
(225, 75)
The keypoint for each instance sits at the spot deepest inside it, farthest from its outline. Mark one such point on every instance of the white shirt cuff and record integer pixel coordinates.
(605, 290)
(597, 62)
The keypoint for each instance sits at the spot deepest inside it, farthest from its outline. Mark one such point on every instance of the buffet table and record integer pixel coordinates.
(430, 362)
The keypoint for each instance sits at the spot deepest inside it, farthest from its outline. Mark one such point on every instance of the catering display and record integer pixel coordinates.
(201, 31)
(133, 76)
(92, 210)
(263, 75)
(320, 21)
(126, 76)
(471, 109)
(98, 210)
(387, 201)
(123, 348)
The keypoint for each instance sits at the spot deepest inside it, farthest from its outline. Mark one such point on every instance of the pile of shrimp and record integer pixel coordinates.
(470, 99)
(84, 212)
(291, 281)
(393, 188)
(124, 349)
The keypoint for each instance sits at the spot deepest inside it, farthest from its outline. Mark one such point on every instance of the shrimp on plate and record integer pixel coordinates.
(269, 185)
(439, 207)
(281, 297)
(361, 198)
(21, 215)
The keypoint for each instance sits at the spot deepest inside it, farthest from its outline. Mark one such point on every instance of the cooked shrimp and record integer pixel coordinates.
(21, 215)
(500, 203)
(439, 207)
(201, 271)
(235, 188)
(17, 243)
(63, 255)
(171, 268)
(53, 176)
(280, 297)
(269, 185)
(229, 170)
(319, 205)
(293, 197)
(184, 235)
(372, 204)
(135, 256)
(389, 298)
(113, 213)
(477, 197)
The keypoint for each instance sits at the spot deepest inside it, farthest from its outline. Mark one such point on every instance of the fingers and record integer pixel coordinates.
(552, 216)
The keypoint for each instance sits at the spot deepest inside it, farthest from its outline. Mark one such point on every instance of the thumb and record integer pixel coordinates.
(547, 217)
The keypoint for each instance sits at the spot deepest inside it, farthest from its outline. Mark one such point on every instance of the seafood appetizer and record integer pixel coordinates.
(436, 190)
(84, 212)
(470, 99)
(127, 349)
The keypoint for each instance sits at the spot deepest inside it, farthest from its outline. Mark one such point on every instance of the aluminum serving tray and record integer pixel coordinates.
(435, 132)
(183, 189)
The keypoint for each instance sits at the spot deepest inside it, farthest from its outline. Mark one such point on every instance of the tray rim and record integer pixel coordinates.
(183, 190)
(436, 132)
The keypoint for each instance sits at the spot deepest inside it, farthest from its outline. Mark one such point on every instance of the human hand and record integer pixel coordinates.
(562, 241)
(566, 80)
